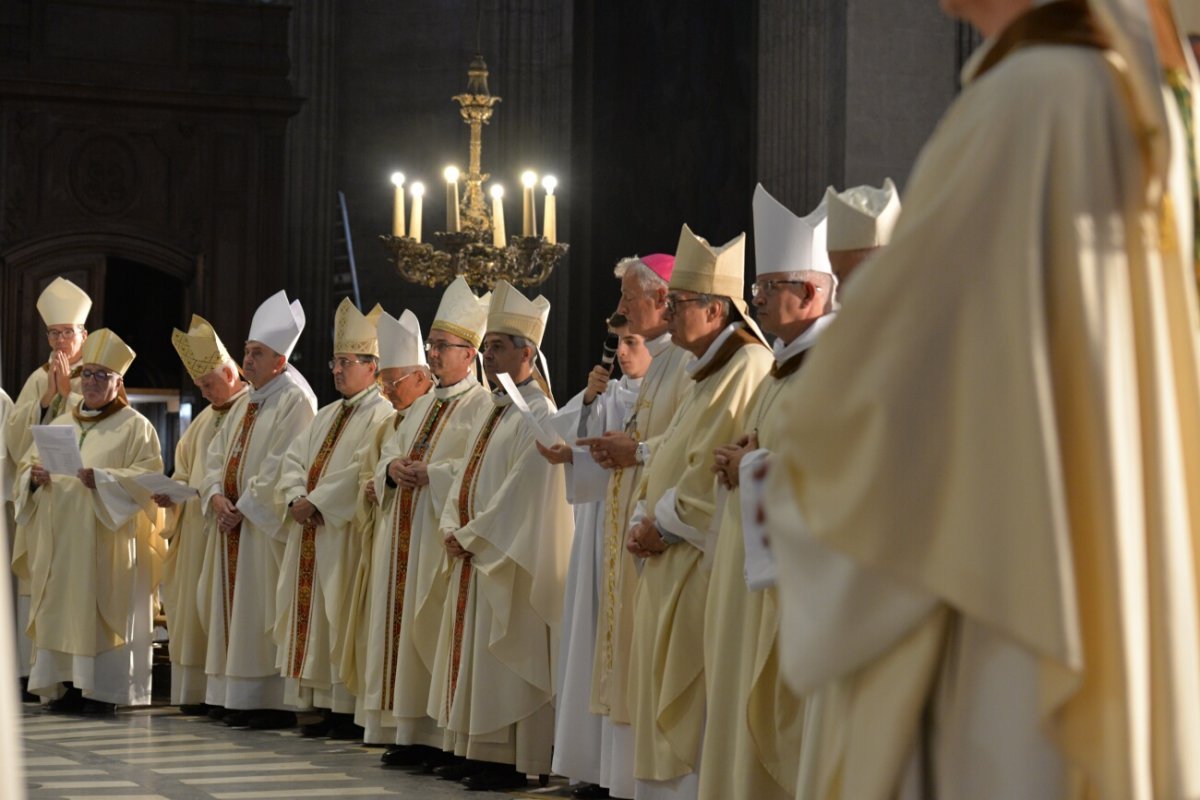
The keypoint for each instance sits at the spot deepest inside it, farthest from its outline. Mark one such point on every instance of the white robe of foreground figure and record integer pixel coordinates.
(992, 459)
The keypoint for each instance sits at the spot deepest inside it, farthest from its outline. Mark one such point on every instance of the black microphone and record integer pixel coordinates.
(609, 354)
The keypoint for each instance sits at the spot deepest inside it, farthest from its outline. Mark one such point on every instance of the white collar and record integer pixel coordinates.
(711, 352)
(455, 389)
(803, 341)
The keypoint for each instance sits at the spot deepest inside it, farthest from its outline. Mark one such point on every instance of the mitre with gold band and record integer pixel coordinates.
(861, 217)
(461, 313)
(63, 303)
(515, 314)
(200, 349)
(717, 271)
(354, 331)
(105, 348)
(400, 342)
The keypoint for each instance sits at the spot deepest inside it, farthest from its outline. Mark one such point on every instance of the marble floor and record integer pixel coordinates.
(156, 754)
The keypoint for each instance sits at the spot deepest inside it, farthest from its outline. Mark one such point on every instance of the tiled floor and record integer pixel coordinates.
(156, 754)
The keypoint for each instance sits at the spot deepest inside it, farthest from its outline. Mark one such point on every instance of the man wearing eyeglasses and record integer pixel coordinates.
(91, 548)
(706, 316)
(319, 483)
(403, 377)
(48, 392)
(754, 720)
(408, 571)
(245, 548)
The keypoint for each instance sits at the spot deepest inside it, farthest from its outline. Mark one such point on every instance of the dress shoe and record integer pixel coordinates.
(26, 695)
(98, 708)
(345, 729)
(271, 719)
(194, 709)
(435, 758)
(217, 712)
(496, 777)
(71, 702)
(589, 791)
(458, 769)
(237, 719)
(318, 729)
(399, 755)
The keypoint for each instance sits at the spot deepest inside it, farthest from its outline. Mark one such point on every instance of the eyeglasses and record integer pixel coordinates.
(439, 347)
(346, 363)
(391, 385)
(101, 375)
(673, 303)
(770, 287)
(61, 333)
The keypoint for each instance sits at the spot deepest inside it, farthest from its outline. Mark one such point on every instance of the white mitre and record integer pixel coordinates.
(862, 217)
(784, 242)
(513, 313)
(354, 331)
(63, 303)
(400, 343)
(461, 313)
(277, 323)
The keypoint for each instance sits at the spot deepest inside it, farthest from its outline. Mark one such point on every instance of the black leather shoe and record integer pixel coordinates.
(435, 758)
(26, 695)
(459, 769)
(271, 720)
(318, 729)
(97, 708)
(345, 730)
(194, 709)
(218, 712)
(589, 791)
(403, 756)
(71, 702)
(237, 719)
(496, 778)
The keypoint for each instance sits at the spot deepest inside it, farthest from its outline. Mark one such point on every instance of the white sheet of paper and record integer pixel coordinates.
(545, 437)
(58, 449)
(157, 483)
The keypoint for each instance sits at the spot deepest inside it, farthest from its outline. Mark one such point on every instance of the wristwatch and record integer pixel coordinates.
(642, 454)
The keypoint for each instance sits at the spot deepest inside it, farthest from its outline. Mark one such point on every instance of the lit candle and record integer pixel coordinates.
(414, 224)
(451, 174)
(398, 204)
(529, 218)
(550, 212)
(498, 236)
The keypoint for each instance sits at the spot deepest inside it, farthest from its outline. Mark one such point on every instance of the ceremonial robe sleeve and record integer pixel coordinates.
(185, 456)
(259, 502)
(143, 455)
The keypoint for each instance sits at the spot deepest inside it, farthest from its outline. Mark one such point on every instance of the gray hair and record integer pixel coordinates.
(726, 305)
(521, 341)
(826, 282)
(645, 277)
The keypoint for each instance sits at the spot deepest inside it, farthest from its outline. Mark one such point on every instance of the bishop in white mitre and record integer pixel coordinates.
(247, 537)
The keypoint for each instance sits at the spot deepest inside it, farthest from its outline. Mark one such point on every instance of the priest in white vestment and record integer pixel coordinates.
(246, 537)
(671, 526)
(93, 552)
(754, 720)
(186, 527)
(985, 500)
(603, 405)
(410, 570)
(508, 527)
(50, 390)
(403, 378)
(318, 484)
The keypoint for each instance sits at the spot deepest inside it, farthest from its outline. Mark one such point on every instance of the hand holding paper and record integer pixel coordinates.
(58, 449)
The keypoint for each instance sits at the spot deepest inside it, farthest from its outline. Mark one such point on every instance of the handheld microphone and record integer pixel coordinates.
(609, 353)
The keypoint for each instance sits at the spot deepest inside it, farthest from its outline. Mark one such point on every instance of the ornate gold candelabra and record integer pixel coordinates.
(474, 250)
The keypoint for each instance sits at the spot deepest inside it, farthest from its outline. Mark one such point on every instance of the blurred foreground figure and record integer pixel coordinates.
(986, 494)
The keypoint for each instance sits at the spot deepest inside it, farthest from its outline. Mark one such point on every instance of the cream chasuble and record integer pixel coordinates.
(577, 730)
(94, 560)
(493, 673)
(663, 388)
(186, 532)
(408, 570)
(754, 721)
(316, 575)
(23, 654)
(666, 680)
(236, 595)
(992, 463)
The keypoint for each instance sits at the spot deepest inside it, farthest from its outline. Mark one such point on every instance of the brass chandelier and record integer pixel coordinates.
(473, 244)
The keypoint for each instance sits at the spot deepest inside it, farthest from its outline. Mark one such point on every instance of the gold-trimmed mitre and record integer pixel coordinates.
(515, 314)
(354, 331)
(461, 313)
(200, 349)
(105, 348)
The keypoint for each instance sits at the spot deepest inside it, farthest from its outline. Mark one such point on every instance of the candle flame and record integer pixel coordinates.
(451, 174)
(549, 183)
(528, 179)
(398, 179)
(497, 191)
(418, 189)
